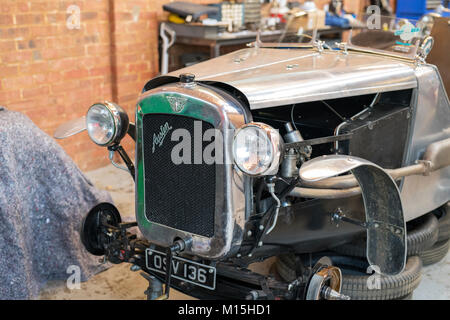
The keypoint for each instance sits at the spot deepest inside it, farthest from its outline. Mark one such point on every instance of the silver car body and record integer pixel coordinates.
(275, 77)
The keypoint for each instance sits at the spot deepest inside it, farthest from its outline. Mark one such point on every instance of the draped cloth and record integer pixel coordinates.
(43, 199)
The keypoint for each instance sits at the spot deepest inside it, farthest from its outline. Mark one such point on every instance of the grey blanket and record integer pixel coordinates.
(43, 198)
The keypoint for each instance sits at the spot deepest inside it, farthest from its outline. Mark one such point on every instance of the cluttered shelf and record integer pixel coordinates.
(194, 33)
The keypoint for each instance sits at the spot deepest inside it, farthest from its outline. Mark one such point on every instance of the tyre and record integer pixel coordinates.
(444, 222)
(355, 279)
(408, 297)
(422, 233)
(285, 266)
(436, 253)
(400, 286)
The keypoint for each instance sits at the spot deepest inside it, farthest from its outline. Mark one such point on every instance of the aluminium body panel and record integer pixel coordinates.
(274, 77)
(431, 123)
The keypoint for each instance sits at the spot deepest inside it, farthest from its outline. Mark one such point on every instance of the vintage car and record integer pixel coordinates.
(280, 150)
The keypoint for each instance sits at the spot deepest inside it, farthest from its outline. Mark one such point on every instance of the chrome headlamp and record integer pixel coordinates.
(257, 149)
(106, 123)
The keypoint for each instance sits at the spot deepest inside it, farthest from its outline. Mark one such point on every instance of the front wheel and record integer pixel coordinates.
(358, 284)
(100, 217)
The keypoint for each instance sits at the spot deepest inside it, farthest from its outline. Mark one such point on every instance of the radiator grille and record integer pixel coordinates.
(179, 196)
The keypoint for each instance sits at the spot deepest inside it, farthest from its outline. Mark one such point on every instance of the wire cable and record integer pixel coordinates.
(334, 111)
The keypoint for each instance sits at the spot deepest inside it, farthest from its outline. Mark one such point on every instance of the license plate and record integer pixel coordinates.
(182, 269)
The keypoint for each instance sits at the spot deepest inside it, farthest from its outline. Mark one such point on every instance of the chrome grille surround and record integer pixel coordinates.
(233, 189)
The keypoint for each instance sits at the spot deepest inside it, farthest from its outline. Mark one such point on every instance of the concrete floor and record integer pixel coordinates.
(118, 282)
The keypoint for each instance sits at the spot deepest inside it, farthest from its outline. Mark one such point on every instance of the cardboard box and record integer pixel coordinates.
(306, 20)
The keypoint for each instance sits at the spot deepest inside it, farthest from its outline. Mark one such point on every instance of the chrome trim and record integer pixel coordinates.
(325, 167)
(112, 108)
(230, 216)
(116, 116)
(276, 142)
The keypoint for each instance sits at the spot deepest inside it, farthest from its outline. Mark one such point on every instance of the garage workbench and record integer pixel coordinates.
(213, 43)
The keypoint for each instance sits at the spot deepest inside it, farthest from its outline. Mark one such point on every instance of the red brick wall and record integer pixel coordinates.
(136, 46)
(53, 74)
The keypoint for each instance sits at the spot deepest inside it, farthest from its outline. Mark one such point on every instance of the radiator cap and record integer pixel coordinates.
(187, 78)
